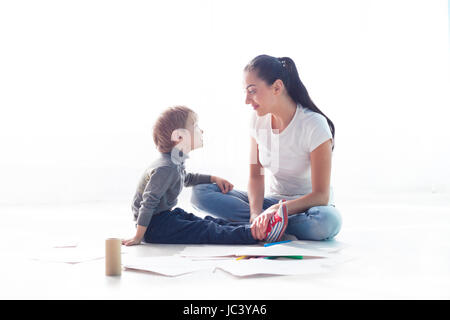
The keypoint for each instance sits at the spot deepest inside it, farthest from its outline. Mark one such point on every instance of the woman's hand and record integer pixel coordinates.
(253, 217)
(259, 225)
(224, 185)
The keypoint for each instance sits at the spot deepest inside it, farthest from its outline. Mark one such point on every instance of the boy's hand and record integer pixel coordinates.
(140, 232)
(131, 242)
(224, 185)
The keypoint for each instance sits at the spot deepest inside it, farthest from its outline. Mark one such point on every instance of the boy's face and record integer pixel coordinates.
(195, 131)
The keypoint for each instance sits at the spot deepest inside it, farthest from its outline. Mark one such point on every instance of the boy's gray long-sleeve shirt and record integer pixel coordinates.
(160, 185)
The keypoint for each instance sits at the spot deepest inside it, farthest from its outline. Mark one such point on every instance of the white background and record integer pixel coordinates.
(81, 83)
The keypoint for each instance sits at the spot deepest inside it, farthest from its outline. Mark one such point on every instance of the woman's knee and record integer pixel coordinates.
(318, 223)
(200, 193)
(329, 222)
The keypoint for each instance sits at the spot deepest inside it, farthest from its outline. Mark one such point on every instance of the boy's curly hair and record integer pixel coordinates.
(171, 119)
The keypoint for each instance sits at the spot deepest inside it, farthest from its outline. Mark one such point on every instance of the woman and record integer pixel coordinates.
(294, 140)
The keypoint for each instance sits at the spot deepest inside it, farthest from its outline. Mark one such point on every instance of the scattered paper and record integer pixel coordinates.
(318, 257)
(249, 267)
(69, 255)
(331, 246)
(175, 266)
(69, 244)
(71, 251)
(293, 248)
(169, 266)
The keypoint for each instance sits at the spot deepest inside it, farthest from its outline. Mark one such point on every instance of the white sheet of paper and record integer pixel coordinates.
(179, 265)
(293, 248)
(72, 251)
(242, 268)
(68, 244)
(168, 266)
(175, 266)
(69, 254)
(327, 246)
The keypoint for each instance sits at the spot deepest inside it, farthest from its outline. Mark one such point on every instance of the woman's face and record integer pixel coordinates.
(258, 93)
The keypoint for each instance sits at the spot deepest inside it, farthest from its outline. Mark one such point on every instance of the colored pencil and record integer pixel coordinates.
(274, 243)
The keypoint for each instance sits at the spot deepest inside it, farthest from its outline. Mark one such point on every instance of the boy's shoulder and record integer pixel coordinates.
(162, 163)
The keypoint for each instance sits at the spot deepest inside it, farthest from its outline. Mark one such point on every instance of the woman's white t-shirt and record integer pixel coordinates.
(287, 154)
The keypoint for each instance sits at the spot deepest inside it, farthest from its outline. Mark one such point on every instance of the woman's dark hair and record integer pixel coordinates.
(269, 69)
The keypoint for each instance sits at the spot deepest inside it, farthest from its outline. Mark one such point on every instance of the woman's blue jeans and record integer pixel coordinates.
(316, 223)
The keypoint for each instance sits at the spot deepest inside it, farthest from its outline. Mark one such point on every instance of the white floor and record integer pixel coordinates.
(401, 246)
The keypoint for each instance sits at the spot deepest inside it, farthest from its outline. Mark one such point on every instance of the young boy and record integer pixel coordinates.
(175, 134)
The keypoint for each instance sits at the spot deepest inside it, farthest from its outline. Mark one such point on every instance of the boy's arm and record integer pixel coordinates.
(224, 185)
(140, 231)
(192, 179)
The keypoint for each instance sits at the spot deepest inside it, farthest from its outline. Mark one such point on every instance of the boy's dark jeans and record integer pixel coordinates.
(179, 226)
